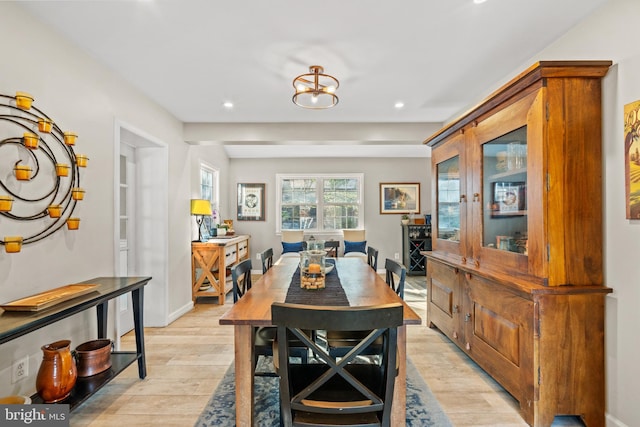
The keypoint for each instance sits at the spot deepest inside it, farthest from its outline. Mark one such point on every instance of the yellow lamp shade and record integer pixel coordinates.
(30, 140)
(54, 211)
(12, 244)
(44, 125)
(73, 223)
(23, 172)
(77, 193)
(6, 202)
(62, 169)
(81, 160)
(70, 138)
(200, 207)
(23, 100)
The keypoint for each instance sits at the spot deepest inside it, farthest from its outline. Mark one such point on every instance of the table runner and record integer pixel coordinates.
(332, 294)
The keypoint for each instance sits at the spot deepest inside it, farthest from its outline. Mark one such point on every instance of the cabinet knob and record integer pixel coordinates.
(463, 198)
(467, 317)
(468, 276)
(455, 335)
(463, 260)
(456, 308)
(468, 346)
(476, 197)
(476, 263)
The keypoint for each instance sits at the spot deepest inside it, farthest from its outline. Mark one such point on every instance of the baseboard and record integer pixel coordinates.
(180, 312)
(612, 421)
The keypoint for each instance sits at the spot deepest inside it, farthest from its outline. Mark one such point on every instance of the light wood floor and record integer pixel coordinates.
(187, 359)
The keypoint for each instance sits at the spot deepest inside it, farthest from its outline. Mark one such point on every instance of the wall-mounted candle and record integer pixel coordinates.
(12, 244)
(77, 193)
(54, 211)
(81, 160)
(73, 223)
(23, 100)
(44, 125)
(5, 203)
(30, 140)
(62, 169)
(23, 172)
(70, 138)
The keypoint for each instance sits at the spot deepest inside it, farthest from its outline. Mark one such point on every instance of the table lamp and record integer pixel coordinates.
(200, 208)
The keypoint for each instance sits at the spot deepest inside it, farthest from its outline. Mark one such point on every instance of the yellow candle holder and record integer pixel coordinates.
(77, 193)
(30, 140)
(44, 125)
(62, 169)
(6, 202)
(23, 172)
(70, 138)
(23, 100)
(54, 211)
(73, 223)
(12, 244)
(81, 160)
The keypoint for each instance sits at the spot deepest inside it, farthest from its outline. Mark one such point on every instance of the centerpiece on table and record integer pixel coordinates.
(312, 269)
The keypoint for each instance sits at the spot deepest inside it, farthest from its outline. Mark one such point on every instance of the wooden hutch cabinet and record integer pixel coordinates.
(515, 276)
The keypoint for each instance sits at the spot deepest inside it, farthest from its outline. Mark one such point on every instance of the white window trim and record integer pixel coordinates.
(281, 176)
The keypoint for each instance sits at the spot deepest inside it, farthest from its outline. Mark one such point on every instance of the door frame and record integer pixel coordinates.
(151, 218)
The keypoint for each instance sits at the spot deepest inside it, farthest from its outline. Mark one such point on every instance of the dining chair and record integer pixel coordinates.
(393, 269)
(332, 247)
(334, 391)
(264, 336)
(266, 257)
(372, 258)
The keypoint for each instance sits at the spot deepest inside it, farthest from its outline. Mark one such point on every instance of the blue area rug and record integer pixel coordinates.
(423, 409)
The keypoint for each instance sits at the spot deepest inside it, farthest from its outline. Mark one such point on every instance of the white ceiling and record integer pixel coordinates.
(437, 56)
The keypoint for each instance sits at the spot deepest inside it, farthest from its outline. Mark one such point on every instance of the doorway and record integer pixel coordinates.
(141, 223)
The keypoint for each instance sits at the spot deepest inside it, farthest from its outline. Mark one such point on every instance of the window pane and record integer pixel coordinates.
(319, 202)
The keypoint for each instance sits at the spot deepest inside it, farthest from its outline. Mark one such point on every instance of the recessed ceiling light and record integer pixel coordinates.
(479, 1)
(228, 104)
(399, 105)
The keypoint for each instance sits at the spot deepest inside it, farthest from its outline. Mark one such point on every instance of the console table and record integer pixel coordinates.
(14, 324)
(213, 258)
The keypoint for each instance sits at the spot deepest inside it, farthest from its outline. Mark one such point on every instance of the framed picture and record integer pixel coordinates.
(508, 199)
(632, 158)
(251, 202)
(399, 198)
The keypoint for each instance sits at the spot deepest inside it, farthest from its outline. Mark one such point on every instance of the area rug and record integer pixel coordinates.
(423, 409)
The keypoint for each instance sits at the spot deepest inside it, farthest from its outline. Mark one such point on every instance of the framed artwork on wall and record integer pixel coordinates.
(251, 200)
(632, 159)
(399, 198)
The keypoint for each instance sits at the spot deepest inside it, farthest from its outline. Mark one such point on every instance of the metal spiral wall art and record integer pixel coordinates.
(39, 174)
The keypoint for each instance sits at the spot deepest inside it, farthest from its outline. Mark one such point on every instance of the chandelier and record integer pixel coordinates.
(315, 90)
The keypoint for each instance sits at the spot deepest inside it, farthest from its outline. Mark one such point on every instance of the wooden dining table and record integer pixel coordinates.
(362, 286)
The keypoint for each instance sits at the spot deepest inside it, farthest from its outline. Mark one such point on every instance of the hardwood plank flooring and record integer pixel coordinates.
(187, 359)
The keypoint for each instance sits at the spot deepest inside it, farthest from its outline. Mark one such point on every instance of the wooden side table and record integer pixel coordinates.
(213, 258)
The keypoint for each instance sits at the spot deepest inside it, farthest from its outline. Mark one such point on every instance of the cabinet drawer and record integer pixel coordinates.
(499, 334)
(230, 254)
(243, 248)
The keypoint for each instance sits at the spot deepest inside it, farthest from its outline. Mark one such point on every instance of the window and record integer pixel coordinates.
(319, 202)
(209, 191)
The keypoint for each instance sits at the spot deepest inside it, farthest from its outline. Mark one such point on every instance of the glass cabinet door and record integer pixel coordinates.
(448, 199)
(504, 173)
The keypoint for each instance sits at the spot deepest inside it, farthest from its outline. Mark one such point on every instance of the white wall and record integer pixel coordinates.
(612, 33)
(84, 97)
(382, 231)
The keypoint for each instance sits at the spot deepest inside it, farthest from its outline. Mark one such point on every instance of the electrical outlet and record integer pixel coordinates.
(258, 256)
(396, 256)
(20, 369)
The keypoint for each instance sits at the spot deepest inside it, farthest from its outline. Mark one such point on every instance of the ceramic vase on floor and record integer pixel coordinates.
(57, 374)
